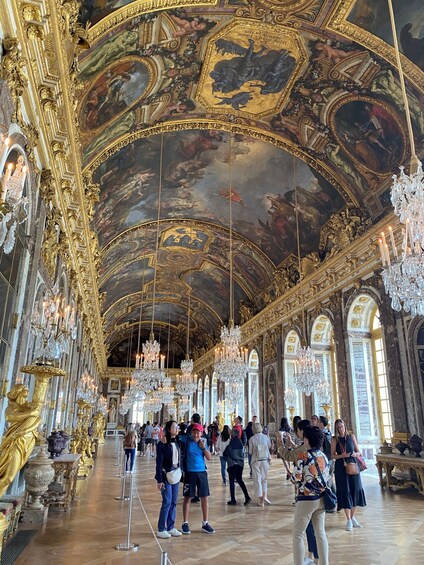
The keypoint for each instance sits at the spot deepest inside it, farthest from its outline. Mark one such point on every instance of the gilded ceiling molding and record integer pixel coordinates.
(337, 21)
(254, 133)
(138, 8)
(354, 263)
(277, 12)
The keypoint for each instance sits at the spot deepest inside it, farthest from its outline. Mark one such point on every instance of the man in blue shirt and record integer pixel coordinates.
(195, 476)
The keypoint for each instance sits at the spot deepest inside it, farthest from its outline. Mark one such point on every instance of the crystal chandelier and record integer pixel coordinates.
(323, 392)
(184, 404)
(13, 205)
(234, 393)
(152, 404)
(102, 405)
(230, 358)
(53, 324)
(403, 276)
(307, 369)
(290, 396)
(151, 363)
(307, 372)
(165, 392)
(87, 388)
(149, 366)
(186, 385)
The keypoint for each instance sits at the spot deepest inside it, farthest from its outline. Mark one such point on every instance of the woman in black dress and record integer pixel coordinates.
(350, 494)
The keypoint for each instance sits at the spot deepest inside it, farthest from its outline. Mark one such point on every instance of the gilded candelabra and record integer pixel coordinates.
(99, 425)
(24, 419)
(81, 443)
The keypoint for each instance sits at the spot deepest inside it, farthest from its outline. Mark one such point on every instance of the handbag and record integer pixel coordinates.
(351, 467)
(173, 476)
(330, 498)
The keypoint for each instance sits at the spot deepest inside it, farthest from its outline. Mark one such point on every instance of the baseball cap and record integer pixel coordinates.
(197, 427)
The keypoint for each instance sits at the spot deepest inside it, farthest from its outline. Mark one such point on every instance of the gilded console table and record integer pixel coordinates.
(62, 490)
(413, 465)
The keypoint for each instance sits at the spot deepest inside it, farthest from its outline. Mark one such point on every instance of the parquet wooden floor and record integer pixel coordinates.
(86, 535)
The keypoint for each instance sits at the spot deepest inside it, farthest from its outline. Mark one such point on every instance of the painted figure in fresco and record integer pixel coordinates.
(272, 68)
(117, 47)
(333, 54)
(237, 101)
(413, 47)
(332, 151)
(113, 92)
(186, 26)
(370, 133)
(386, 85)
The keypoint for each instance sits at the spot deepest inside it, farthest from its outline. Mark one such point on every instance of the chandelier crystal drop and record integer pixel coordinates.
(230, 358)
(307, 373)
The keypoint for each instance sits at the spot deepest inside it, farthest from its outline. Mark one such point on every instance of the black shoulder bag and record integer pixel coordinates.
(330, 499)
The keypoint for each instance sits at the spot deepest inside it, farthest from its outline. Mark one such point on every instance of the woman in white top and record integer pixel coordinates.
(221, 444)
(259, 445)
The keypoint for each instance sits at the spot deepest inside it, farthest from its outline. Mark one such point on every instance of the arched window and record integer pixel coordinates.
(379, 358)
(200, 396)
(214, 397)
(322, 343)
(291, 346)
(372, 411)
(253, 385)
(206, 406)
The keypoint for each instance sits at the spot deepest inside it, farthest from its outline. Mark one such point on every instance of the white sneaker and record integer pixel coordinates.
(349, 526)
(163, 535)
(267, 501)
(175, 533)
(355, 523)
(308, 561)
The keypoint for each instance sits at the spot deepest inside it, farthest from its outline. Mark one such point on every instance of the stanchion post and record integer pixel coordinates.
(164, 558)
(117, 451)
(128, 546)
(121, 460)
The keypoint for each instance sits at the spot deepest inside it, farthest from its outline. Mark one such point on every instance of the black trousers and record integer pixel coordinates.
(235, 474)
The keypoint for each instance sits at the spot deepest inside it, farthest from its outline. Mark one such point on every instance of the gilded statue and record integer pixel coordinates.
(19, 439)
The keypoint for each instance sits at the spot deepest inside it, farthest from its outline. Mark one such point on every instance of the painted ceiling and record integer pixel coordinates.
(279, 100)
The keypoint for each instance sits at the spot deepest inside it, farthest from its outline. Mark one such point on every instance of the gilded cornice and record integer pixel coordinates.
(349, 266)
(337, 21)
(125, 373)
(253, 132)
(138, 8)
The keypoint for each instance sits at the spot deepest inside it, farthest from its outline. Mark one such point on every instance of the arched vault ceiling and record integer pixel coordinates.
(312, 99)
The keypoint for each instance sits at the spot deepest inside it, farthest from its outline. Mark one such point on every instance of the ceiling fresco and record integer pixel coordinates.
(373, 16)
(287, 77)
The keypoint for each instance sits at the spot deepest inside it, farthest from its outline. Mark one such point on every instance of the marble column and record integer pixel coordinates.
(393, 363)
(341, 344)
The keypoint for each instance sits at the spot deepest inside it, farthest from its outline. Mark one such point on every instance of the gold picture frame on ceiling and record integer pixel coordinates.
(237, 45)
(109, 70)
(338, 21)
